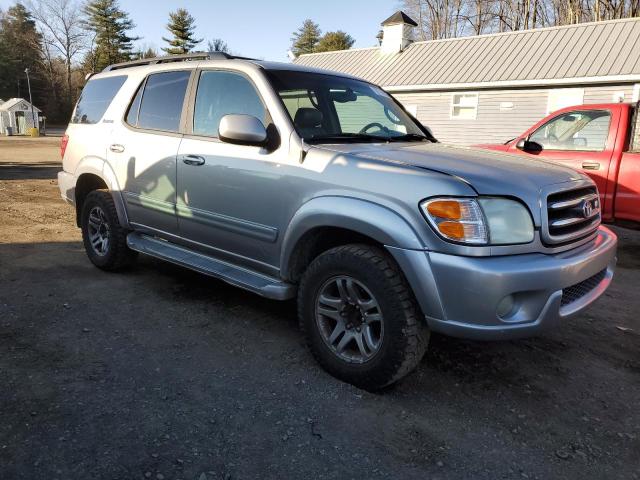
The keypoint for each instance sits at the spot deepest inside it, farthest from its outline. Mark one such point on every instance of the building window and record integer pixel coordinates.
(564, 97)
(464, 106)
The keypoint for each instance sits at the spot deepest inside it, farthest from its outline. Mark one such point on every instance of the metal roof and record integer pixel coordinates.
(9, 104)
(399, 17)
(596, 52)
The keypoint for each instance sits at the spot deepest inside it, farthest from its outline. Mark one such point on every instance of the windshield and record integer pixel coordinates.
(328, 108)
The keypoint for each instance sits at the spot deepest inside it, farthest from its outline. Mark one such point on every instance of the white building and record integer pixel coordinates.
(17, 114)
(491, 88)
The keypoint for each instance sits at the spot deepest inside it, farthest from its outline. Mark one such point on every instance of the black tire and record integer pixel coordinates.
(406, 335)
(116, 254)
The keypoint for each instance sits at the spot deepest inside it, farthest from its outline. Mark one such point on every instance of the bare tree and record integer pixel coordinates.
(439, 18)
(61, 26)
(453, 18)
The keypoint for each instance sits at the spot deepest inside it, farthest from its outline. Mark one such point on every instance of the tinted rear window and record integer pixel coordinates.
(162, 100)
(96, 98)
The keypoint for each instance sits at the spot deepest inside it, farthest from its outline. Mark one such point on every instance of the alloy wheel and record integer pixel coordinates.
(98, 231)
(349, 319)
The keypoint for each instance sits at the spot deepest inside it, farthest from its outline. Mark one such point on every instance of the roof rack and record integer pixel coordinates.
(185, 57)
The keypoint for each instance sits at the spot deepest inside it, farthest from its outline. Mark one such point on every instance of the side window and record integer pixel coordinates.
(585, 130)
(161, 102)
(134, 108)
(96, 98)
(222, 93)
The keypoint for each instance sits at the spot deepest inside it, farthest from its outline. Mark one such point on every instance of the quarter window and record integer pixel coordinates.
(585, 130)
(222, 93)
(161, 102)
(132, 114)
(464, 106)
(96, 98)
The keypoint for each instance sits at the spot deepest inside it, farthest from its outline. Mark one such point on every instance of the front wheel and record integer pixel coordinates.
(105, 240)
(360, 317)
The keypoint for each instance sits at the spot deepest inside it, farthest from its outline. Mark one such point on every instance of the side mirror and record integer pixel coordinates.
(242, 130)
(528, 146)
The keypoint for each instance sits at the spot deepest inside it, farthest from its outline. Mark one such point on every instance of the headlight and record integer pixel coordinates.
(485, 221)
(509, 221)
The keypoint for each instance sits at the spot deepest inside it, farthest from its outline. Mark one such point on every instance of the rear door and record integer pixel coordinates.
(583, 139)
(144, 147)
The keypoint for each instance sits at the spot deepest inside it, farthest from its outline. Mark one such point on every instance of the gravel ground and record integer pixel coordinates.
(163, 373)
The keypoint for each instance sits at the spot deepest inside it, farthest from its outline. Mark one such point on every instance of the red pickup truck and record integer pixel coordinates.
(601, 140)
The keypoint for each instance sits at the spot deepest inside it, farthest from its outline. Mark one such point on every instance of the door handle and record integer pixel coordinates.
(591, 165)
(116, 148)
(194, 160)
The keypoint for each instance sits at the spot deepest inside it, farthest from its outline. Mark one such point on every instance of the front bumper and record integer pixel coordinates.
(512, 296)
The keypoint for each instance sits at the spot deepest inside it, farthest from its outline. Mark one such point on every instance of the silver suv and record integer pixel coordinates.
(295, 182)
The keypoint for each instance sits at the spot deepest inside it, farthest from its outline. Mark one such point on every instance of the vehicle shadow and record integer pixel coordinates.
(169, 340)
(29, 171)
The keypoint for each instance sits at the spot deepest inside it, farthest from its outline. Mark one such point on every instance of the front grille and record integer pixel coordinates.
(579, 290)
(572, 214)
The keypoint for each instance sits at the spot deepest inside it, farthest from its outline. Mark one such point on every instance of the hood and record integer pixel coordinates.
(487, 172)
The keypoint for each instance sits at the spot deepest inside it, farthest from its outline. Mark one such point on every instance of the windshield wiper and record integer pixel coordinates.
(346, 137)
(408, 137)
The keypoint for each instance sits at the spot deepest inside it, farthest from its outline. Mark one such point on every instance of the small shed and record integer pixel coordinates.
(18, 114)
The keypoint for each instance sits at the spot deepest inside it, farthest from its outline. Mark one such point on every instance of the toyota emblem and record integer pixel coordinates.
(587, 209)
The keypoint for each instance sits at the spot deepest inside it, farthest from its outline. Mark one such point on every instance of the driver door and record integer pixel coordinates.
(232, 199)
(580, 139)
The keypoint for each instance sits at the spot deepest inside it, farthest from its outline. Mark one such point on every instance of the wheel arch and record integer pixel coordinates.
(95, 174)
(327, 222)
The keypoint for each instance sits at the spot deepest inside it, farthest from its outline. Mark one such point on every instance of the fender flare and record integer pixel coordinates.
(100, 168)
(375, 221)
(362, 216)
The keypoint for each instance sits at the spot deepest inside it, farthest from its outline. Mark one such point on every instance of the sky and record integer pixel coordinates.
(258, 28)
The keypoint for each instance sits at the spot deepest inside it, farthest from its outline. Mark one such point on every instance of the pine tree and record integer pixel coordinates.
(217, 45)
(306, 38)
(149, 53)
(110, 26)
(20, 48)
(182, 26)
(332, 41)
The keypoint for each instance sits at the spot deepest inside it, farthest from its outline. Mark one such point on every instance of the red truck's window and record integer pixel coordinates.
(581, 130)
(634, 144)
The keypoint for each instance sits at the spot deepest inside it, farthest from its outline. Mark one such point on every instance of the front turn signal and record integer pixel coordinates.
(457, 219)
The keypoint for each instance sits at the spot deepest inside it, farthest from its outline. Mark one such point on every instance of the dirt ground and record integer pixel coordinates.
(163, 373)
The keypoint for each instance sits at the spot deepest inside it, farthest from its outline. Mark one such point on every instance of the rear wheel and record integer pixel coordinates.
(105, 240)
(360, 317)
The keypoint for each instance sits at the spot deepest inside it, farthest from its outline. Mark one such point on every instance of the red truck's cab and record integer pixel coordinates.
(601, 140)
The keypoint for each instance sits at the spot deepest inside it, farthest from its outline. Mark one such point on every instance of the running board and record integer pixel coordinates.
(255, 282)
